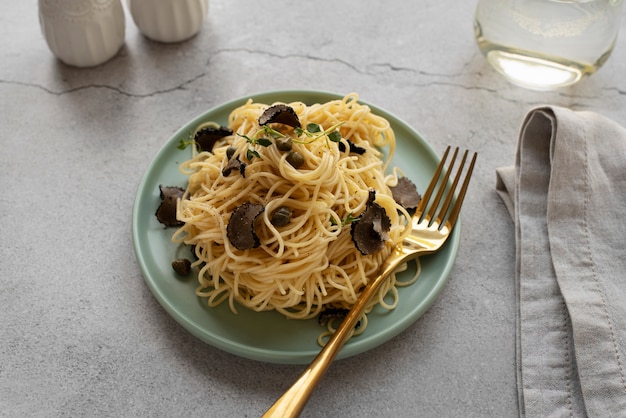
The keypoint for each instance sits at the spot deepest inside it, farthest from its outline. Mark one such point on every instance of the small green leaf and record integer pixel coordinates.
(251, 153)
(314, 127)
(334, 136)
(298, 131)
(264, 142)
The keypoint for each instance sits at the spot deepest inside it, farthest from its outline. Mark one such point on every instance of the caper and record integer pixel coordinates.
(281, 216)
(284, 143)
(230, 151)
(295, 159)
(181, 266)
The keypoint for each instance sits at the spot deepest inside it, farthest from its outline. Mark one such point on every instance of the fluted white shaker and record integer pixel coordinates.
(169, 20)
(83, 33)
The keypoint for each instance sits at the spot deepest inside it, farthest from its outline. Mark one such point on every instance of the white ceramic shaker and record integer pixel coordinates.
(83, 33)
(169, 20)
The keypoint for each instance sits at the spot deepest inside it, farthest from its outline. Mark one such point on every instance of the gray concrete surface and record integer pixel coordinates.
(81, 333)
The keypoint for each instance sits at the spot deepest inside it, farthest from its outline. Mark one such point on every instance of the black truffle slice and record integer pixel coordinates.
(329, 314)
(166, 212)
(354, 149)
(280, 113)
(240, 229)
(234, 164)
(405, 193)
(206, 138)
(370, 230)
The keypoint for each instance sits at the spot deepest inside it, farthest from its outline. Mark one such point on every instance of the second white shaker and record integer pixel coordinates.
(169, 20)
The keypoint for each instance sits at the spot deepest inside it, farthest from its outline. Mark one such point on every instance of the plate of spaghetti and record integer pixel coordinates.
(285, 204)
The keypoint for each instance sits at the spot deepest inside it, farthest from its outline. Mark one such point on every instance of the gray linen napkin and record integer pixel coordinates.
(567, 197)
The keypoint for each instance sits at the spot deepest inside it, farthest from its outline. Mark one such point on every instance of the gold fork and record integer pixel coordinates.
(429, 232)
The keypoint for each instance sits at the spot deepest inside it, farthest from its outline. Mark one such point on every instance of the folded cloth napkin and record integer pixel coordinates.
(567, 197)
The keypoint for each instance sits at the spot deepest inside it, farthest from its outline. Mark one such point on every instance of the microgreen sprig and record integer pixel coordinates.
(271, 132)
(348, 219)
(251, 152)
(314, 132)
(264, 142)
(184, 143)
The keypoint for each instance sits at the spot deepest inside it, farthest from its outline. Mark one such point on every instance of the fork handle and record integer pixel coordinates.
(291, 403)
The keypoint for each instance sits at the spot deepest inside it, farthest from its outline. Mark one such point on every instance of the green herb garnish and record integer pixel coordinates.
(334, 136)
(314, 132)
(264, 142)
(184, 143)
(348, 219)
(251, 152)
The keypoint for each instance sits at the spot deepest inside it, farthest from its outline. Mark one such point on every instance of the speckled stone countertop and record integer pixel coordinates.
(82, 335)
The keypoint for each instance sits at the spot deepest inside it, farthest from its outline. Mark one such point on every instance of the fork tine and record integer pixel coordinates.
(455, 182)
(442, 188)
(456, 209)
(423, 204)
(427, 206)
(431, 187)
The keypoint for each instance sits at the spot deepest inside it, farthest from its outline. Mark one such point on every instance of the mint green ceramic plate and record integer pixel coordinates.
(268, 336)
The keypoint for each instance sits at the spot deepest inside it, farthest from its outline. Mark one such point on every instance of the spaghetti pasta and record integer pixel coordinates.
(309, 262)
